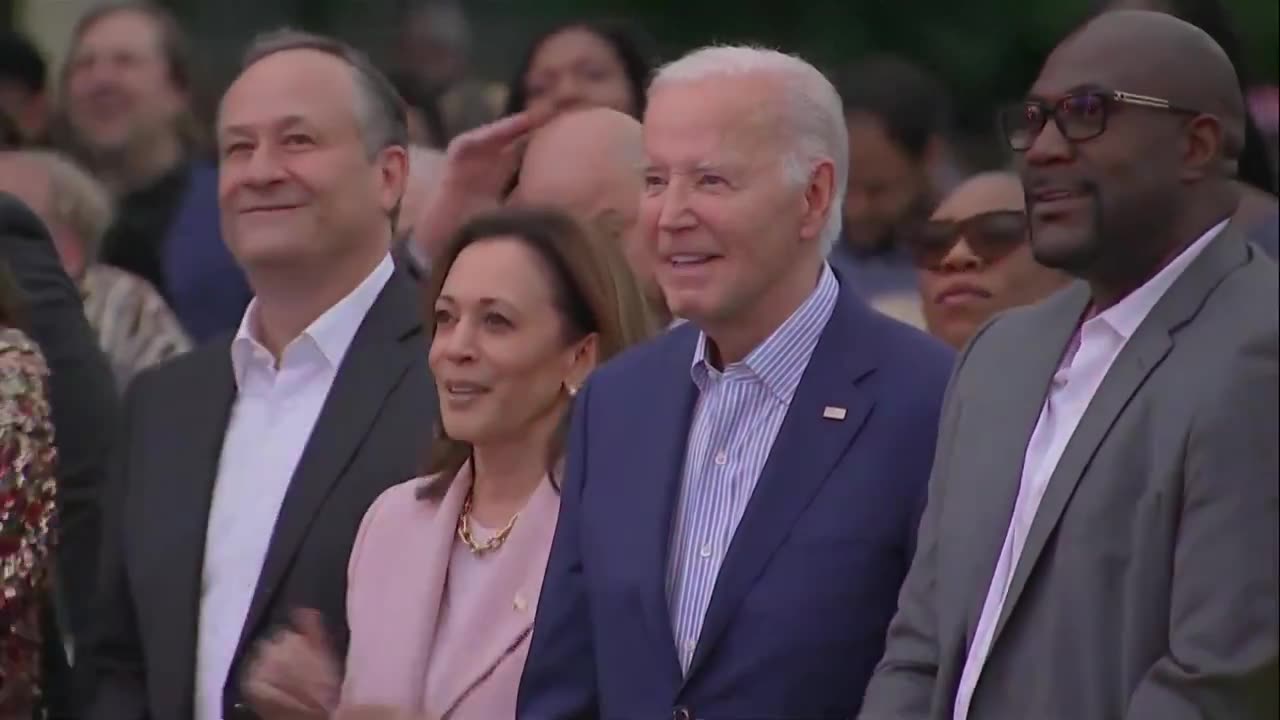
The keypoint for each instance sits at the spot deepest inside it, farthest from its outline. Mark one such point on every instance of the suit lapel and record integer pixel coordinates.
(806, 450)
(185, 491)
(648, 495)
(384, 347)
(1141, 354)
(1025, 383)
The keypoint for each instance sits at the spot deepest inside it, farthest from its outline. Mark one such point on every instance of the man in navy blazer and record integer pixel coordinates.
(742, 495)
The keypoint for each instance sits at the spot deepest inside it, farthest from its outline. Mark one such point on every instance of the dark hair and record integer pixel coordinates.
(173, 46)
(11, 299)
(21, 63)
(418, 98)
(913, 106)
(585, 293)
(383, 118)
(627, 41)
(1214, 18)
(10, 134)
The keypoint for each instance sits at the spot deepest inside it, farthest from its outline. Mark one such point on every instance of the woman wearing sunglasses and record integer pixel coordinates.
(974, 260)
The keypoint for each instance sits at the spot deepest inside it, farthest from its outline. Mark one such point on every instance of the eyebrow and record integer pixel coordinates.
(1073, 90)
(288, 121)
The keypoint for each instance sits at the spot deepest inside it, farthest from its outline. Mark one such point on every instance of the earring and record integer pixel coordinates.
(571, 389)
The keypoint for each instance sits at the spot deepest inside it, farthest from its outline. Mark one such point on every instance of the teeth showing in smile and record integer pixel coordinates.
(464, 388)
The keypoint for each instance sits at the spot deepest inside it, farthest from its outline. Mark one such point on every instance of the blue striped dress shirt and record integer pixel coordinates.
(737, 417)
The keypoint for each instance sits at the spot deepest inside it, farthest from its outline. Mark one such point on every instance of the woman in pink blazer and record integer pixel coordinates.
(445, 573)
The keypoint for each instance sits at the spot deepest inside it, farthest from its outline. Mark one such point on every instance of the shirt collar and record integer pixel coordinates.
(331, 333)
(1125, 316)
(780, 361)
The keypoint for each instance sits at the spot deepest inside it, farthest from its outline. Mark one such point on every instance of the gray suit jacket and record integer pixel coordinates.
(1147, 588)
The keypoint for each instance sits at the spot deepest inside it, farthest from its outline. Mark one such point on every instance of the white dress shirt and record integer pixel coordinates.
(1083, 368)
(275, 408)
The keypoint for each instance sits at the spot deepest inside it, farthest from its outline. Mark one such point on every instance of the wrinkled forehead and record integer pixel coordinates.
(719, 121)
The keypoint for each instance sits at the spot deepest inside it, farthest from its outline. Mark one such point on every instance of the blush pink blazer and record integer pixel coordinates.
(396, 580)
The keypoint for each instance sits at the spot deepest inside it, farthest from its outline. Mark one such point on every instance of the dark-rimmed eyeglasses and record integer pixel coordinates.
(990, 235)
(1078, 116)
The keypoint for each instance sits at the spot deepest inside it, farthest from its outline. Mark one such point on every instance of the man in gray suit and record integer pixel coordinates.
(1101, 534)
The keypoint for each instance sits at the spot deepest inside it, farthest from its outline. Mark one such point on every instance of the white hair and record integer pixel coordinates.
(813, 113)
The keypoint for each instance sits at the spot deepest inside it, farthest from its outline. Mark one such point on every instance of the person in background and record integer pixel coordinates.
(432, 60)
(900, 164)
(125, 95)
(265, 449)
(1100, 537)
(523, 306)
(736, 486)
(583, 64)
(84, 407)
(23, 96)
(974, 259)
(28, 508)
(135, 328)
(1259, 208)
(602, 188)
(426, 122)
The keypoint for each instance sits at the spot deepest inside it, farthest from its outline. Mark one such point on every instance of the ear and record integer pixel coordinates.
(585, 354)
(1202, 148)
(393, 169)
(819, 196)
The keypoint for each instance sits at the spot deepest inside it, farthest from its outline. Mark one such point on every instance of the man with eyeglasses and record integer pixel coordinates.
(1101, 534)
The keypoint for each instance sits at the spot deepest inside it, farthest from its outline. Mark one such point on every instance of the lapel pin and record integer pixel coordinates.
(834, 413)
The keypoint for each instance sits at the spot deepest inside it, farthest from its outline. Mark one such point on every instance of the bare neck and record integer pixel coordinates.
(733, 340)
(506, 472)
(289, 301)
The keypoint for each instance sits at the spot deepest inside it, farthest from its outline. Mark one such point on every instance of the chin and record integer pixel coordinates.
(1071, 253)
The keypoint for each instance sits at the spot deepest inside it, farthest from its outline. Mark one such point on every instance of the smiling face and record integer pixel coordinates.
(502, 353)
(296, 182)
(736, 243)
(1092, 202)
(118, 86)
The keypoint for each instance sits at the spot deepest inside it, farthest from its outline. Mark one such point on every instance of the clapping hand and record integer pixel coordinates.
(295, 674)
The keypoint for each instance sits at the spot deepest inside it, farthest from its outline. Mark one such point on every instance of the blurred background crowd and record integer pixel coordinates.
(107, 113)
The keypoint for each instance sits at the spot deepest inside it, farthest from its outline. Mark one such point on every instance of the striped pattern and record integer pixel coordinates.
(135, 327)
(737, 417)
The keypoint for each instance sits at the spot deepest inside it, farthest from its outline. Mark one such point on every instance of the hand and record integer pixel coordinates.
(378, 712)
(295, 675)
(478, 166)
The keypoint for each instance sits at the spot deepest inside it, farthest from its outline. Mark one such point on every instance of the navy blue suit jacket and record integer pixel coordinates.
(798, 615)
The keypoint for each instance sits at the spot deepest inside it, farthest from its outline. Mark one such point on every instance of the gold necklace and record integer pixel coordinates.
(464, 530)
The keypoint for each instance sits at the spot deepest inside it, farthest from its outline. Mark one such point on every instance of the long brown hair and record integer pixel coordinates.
(586, 295)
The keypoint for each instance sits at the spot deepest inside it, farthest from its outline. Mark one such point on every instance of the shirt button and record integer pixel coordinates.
(689, 646)
(706, 551)
(722, 457)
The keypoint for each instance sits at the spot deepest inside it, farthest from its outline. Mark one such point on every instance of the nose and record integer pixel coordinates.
(675, 213)
(567, 94)
(456, 342)
(264, 167)
(1048, 147)
(961, 258)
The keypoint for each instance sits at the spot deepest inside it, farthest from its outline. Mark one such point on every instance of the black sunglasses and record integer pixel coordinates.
(1078, 116)
(990, 235)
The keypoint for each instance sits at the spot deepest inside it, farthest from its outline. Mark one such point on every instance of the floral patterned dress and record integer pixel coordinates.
(27, 494)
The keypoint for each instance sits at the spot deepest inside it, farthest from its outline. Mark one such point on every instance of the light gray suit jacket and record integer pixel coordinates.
(1147, 588)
